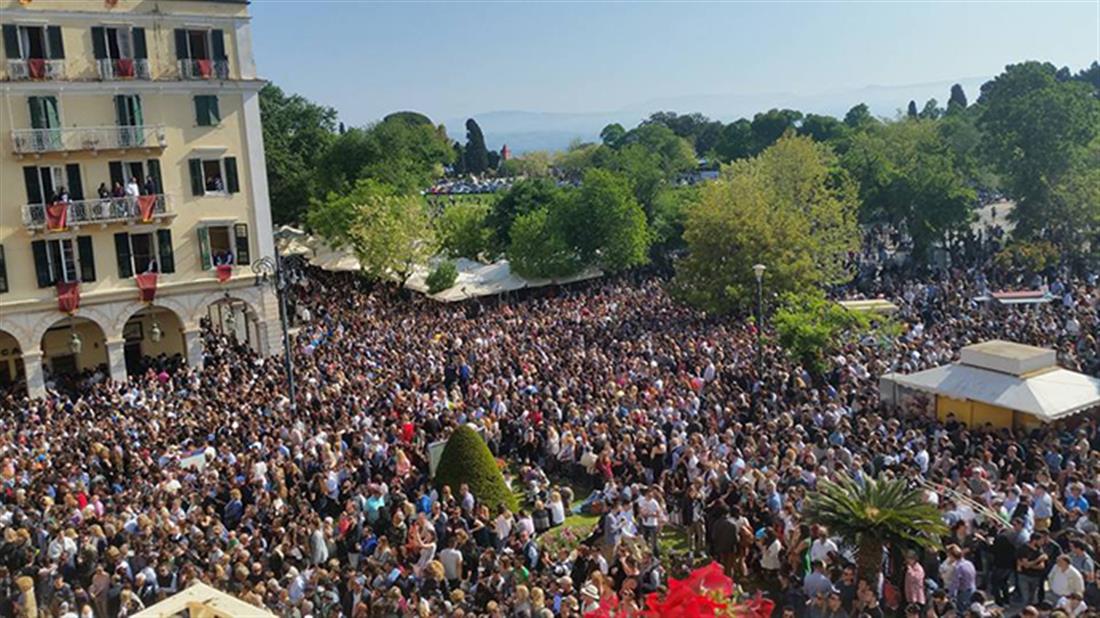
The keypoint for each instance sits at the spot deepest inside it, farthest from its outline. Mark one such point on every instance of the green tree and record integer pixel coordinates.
(859, 117)
(477, 156)
(912, 111)
(931, 110)
(1037, 131)
(389, 232)
(957, 101)
(297, 132)
(907, 176)
(443, 277)
(538, 248)
(396, 152)
(612, 135)
(603, 223)
(824, 129)
(462, 231)
(735, 141)
(412, 118)
(523, 197)
(811, 327)
(534, 164)
(466, 459)
(873, 514)
(768, 127)
(791, 208)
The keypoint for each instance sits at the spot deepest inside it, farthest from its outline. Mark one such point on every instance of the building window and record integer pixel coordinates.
(206, 110)
(214, 176)
(55, 261)
(33, 42)
(3, 271)
(224, 244)
(110, 43)
(145, 252)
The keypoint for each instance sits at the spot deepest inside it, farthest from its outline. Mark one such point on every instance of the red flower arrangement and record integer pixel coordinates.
(705, 593)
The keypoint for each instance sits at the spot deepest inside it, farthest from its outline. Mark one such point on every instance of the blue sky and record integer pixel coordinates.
(454, 59)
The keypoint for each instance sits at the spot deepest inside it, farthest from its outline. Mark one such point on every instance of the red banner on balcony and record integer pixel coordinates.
(57, 216)
(124, 67)
(225, 271)
(146, 205)
(36, 68)
(68, 296)
(147, 284)
(206, 68)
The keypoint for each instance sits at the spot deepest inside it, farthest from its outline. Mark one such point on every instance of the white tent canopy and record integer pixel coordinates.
(476, 279)
(202, 601)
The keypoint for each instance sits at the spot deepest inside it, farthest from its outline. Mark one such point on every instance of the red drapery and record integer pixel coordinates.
(124, 67)
(206, 67)
(147, 285)
(36, 67)
(68, 296)
(225, 271)
(57, 216)
(146, 204)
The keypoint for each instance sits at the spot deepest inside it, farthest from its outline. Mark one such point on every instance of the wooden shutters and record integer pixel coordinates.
(154, 171)
(217, 44)
(41, 264)
(198, 183)
(34, 189)
(76, 187)
(232, 183)
(11, 42)
(57, 47)
(204, 248)
(115, 169)
(165, 255)
(207, 113)
(87, 258)
(141, 51)
(123, 255)
(99, 42)
(182, 51)
(240, 233)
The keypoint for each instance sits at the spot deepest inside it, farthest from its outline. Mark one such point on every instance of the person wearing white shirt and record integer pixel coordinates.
(822, 546)
(557, 509)
(1064, 579)
(651, 513)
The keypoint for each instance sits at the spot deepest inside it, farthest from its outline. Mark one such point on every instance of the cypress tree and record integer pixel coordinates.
(958, 97)
(477, 156)
(912, 109)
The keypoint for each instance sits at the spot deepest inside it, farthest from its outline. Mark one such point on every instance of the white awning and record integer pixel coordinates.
(1047, 395)
(202, 601)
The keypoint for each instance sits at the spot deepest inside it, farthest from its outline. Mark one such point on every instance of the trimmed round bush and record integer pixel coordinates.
(442, 278)
(467, 459)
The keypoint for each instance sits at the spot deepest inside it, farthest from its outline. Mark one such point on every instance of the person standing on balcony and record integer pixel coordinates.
(150, 186)
(103, 192)
(132, 188)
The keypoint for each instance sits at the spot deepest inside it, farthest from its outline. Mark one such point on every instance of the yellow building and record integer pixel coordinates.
(133, 146)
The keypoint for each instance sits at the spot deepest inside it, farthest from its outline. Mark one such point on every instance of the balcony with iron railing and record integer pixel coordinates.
(35, 69)
(74, 139)
(204, 69)
(111, 69)
(101, 211)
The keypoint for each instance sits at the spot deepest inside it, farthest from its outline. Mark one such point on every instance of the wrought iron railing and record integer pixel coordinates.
(100, 210)
(35, 68)
(204, 69)
(123, 68)
(69, 139)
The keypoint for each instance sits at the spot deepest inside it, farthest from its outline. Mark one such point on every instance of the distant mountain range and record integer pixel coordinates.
(533, 130)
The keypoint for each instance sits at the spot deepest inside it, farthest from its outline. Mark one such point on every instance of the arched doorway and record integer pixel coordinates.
(12, 372)
(154, 338)
(72, 346)
(236, 319)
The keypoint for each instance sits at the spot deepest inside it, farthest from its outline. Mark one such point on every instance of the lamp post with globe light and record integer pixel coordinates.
(272, 271)
(758, 270)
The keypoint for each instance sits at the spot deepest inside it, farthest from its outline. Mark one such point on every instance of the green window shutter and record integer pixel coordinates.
(232, 183)
(76, 187)
(41, 264)
(217, 43)
(99, 43)
(181, 45)
(240, 232)
(204, 248)
(11, 42)
(3, 271)
(53, 115)
(212, 107)
(57, 47)
(198, 183)
(154, 171)
(115, 168)
(202, 111)
(38, 112)
(141, 51)
(137, 116)
(34, 190)
(164, 251)
(87, 258)
(122, 254)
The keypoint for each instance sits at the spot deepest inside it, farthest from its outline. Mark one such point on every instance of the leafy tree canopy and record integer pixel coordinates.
(297, 133)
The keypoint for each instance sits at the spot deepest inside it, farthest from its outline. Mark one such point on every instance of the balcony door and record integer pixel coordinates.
(117, 51)
(33, 42)
(46, 118)
(130, 120)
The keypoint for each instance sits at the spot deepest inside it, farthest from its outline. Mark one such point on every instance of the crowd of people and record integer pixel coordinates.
(114, 496)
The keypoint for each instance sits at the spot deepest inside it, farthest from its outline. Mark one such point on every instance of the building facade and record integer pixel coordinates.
(134, 201)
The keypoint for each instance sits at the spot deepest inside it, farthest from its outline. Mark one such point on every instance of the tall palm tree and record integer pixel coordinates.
(874, 514)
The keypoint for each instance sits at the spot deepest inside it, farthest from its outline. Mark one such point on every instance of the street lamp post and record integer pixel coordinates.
(758, 270)
(273, 271)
